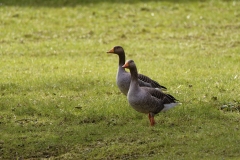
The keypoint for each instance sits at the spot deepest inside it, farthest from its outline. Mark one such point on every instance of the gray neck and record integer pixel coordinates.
(134, 78)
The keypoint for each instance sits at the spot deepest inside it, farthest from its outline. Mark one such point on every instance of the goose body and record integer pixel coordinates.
(124, 78)
(145, 99)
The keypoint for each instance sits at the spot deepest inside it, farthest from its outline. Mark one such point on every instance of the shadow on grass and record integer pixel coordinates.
(72, 3)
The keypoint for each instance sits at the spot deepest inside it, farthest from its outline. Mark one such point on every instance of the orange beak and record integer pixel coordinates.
(111, 51)
(126, 65)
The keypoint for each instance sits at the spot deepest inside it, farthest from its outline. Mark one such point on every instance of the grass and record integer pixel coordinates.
(59, 99)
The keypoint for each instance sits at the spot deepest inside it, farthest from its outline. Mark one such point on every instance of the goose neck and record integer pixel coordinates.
(121, 59)
(134, 76)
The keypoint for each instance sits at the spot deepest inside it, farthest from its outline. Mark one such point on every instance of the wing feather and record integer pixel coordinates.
(153, 83)
(166, 98)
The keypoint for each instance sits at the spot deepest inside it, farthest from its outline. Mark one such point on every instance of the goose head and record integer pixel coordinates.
(129, 64)
(116, 50)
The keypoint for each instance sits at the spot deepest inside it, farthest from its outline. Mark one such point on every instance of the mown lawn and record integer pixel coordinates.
(58, 95)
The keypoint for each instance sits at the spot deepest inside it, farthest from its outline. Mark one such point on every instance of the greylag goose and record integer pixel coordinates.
(124, 78)
(145, 99)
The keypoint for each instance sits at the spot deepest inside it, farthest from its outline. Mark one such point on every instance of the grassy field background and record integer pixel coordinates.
(58, 95)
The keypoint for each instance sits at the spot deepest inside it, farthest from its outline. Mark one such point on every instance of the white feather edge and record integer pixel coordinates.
(168, 106)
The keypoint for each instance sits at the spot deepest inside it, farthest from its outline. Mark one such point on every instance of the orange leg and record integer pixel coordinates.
(151, 118)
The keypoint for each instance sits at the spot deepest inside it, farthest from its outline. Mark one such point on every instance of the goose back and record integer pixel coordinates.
(145, 99)
(123, 78)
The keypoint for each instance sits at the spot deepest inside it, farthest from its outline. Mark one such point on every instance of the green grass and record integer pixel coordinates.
(59, 100)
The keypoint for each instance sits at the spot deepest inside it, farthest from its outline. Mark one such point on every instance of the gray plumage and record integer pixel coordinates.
(145, 99)
(124, 78)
